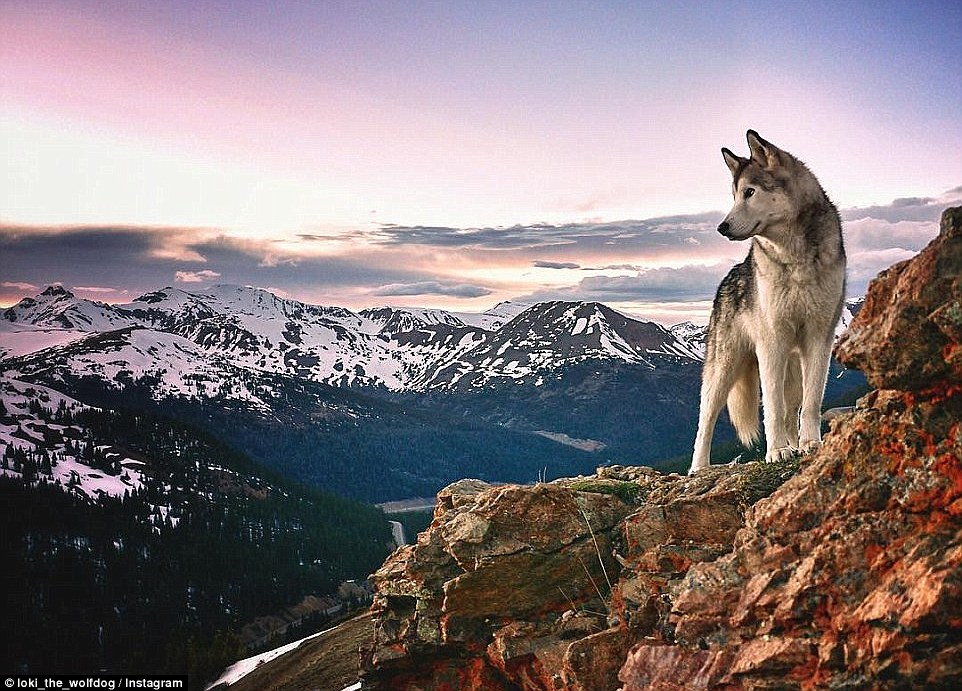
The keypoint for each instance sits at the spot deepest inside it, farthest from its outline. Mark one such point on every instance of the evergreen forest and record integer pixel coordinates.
(160, 579)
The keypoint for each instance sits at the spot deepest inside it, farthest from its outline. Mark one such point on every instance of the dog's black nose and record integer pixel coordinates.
(723, 228)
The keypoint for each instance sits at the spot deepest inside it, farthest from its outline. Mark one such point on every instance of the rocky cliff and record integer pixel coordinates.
(839, 570)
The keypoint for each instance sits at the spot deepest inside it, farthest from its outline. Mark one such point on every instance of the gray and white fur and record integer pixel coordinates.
(774, 316)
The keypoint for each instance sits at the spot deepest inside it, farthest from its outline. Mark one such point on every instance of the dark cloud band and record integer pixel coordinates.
(541, 264)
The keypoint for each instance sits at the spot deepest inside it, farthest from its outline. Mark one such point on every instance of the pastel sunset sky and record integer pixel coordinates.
(455, 154)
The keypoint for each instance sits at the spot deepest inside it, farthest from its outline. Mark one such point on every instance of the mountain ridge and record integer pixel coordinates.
(399, 349)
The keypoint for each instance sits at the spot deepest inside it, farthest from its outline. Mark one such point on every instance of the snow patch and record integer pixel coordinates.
(24, 430)
(242, 668)
(22, 339)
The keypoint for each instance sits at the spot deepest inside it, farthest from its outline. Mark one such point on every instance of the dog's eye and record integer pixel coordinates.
(748, 192)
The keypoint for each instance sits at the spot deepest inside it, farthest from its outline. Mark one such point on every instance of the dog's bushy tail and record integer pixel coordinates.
(743, 404)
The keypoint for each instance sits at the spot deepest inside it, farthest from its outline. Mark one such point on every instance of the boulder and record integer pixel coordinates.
(547, 586)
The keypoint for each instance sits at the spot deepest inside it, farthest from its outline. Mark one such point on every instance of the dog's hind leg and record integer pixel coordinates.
(815, 362)
(793, 398)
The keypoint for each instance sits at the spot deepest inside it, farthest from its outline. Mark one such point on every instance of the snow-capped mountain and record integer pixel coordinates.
(225, 342)
(849, 310)
(395, 320)
(695, 336)
(550, 335)
(381, 403)
(55, 317)
(496, 317)
(58, 308)
(208, 344)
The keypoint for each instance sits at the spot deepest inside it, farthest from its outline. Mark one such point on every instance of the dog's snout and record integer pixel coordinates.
(724, 228)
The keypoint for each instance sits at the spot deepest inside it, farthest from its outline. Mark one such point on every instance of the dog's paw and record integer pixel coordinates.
(695, 468)
(782, 453)
(810, 446)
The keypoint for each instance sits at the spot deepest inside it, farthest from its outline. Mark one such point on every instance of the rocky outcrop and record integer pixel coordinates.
(839, 570)
(548, 586)
(848, 576)
(908, 334)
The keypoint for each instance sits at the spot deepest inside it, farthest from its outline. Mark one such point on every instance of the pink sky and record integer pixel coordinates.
(262, 123)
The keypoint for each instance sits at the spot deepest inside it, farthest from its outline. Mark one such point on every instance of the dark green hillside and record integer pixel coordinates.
(162, 579)
(367, 444)
(640, 414)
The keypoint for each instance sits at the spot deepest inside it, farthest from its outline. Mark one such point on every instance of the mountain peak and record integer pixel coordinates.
(57, 308)
(56, 291)
(395, 320)
(566, 304)
(161, 295)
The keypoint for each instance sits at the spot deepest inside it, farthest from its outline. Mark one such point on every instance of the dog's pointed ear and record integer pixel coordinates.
(732, 161)
(765, 153)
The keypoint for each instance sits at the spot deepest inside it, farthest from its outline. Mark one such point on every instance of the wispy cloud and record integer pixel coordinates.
(668, 231)
(878, 236)
(98, 289)
(19, 285)
(920, 209)
(870, 234)
(691, 282)
(137, 259)
(272, 260)
(668, 259)
(875, 237)
(513, 238)
(615, 267)
(196, 276)
(460, 290)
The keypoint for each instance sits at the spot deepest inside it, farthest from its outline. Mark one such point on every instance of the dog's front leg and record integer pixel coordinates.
(772, 363)
(815, 362)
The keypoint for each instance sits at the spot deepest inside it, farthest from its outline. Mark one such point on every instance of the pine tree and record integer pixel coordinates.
(29, 469)
(63, 415)
(45, 466)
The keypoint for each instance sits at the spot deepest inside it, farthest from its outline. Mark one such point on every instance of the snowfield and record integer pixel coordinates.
(199, 345)
(242, 668)
(22, 429)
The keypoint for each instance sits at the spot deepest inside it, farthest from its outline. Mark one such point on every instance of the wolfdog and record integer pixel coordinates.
(774, 316)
